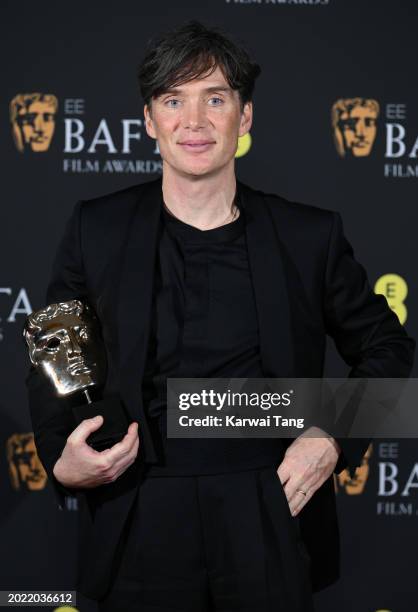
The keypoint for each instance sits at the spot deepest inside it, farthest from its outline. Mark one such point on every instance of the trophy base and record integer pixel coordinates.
(115, 421)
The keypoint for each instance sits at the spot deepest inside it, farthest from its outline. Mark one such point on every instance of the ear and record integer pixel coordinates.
(149, 124)
(246, 119)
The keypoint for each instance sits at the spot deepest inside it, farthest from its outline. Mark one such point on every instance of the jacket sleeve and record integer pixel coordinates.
(51, 417)
(366, 332)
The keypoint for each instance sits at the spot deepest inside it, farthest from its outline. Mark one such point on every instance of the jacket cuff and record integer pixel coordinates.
(352, 453)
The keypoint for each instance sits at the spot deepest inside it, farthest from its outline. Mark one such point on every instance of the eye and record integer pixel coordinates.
(167, 102)
(352, 123)
(217, 98)
(29, 118)
(52, 344)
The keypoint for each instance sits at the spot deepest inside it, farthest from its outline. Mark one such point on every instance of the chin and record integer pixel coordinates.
(196, 171)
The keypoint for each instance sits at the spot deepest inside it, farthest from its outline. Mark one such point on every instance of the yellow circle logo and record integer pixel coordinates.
(395, 290)
(65, 609)
(244, 145)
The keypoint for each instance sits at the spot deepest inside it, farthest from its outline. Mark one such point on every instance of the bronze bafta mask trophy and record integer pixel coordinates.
(66, 345)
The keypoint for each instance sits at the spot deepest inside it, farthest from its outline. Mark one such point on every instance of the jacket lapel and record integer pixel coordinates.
(269, 283)
(135, 299)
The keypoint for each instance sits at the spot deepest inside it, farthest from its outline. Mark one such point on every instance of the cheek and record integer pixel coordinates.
(165, 125)
(165, 135)
(40, 355)
(58, 357)
(231, 134)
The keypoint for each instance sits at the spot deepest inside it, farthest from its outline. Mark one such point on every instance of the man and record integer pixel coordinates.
(197, 274)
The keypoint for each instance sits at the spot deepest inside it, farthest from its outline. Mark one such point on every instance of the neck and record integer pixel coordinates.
(205, 202)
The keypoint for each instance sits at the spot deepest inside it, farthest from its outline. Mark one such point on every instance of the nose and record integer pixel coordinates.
(73, 347)
(39, 123)
(194, 115)
(360, 128)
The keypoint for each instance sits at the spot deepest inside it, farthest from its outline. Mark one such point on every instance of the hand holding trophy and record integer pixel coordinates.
(66, 345)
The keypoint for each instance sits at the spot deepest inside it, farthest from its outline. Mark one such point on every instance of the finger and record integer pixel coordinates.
(122, 448)
(296, 484)
(298, 502)
(283, 472)
(125, 461)
(86, 427)
(121, 465)
(125, 444)
(290, 488)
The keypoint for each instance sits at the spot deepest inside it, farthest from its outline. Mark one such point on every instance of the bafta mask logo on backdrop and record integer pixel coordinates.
(25, 469)
(354, 124)
(33, 121)
(355, 486)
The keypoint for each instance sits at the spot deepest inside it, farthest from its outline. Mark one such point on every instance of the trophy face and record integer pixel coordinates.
(64, 341)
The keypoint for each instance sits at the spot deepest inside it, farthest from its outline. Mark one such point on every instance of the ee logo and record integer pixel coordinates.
(395, 290)
(244, 145)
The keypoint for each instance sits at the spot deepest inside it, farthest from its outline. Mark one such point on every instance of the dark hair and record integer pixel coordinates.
(187, 52)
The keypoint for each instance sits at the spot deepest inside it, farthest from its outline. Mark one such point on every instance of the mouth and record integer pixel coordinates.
(197, 146)
(78, 367)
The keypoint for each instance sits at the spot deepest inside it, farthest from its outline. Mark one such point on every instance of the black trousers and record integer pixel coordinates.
(221, 542)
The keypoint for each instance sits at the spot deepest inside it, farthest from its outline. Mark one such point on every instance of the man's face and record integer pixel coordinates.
(359, 130)
(37, 123)
(204, 110)
(70, 352)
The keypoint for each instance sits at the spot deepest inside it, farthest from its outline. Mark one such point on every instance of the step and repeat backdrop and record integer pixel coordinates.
(335, 125)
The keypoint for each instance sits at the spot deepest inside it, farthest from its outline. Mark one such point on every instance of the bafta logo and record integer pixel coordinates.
(66, 346)
(25, 468)
(65, 342)
(33, 121)
(355, 486)
(354, 126)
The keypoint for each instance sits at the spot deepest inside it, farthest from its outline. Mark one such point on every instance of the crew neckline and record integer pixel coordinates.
(193, 235)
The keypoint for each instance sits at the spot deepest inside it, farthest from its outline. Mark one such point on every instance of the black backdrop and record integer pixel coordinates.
(312, 54)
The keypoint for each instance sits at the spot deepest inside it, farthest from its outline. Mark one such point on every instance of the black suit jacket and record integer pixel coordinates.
(307, 285)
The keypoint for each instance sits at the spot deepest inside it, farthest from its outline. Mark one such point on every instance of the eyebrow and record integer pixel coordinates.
(172, 90)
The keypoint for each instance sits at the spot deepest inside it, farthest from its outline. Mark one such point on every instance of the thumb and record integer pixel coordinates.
(86, 427)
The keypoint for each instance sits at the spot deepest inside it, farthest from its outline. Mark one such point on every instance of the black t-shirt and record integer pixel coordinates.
(204, 324)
